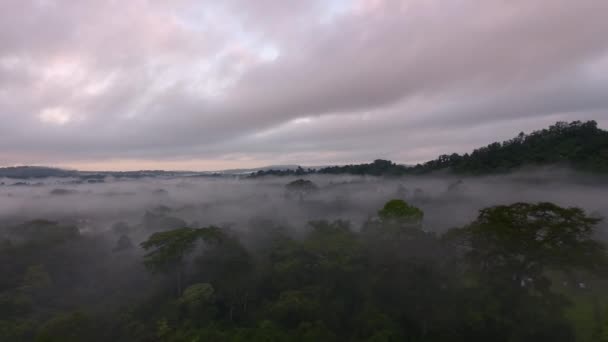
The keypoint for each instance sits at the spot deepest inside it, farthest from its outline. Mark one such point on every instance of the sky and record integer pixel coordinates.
(209, 85)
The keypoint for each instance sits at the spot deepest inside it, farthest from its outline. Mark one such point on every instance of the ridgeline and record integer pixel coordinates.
(579, 145)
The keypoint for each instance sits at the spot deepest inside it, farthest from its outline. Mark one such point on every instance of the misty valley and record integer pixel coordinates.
(319, 258)
(304, 171)
(507, 243)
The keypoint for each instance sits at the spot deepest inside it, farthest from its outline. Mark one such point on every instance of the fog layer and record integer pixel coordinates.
(448, 201)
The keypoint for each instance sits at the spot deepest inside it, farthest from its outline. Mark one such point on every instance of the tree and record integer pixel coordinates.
(399, 211)
(197, 301)
(581, 145)
(514, 252)
(229, 268)
(197, 294)
(528, 239)
(44, 232)
(71, 327)
(167, 250)
(407, 270)
(300, 188)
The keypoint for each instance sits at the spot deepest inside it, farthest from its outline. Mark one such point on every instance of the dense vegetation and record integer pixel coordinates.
(580, 145)
(520, 272)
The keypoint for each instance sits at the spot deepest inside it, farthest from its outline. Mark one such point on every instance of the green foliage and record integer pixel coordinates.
(197, 294)
(529, 238)
(301, 184)
(163, 330)
(301, 188)
(168, 249)
(315, 331)
(399, 211)
(512, 250)
(497, 279)
(581, 145)
(44, 232)
(378, 168)
(293, 307)
(603, 331)
(74, 327)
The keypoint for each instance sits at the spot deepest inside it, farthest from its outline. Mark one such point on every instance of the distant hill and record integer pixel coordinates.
(35, 172)
(253, 170)
(24, 172)
(580, 145)
(31, 172)
(377, 168)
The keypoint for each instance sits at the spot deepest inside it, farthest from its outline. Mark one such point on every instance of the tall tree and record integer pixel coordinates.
(514, 253)
(526, 240)
(167, 250)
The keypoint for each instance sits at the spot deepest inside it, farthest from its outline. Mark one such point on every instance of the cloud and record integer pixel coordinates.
(315, 83)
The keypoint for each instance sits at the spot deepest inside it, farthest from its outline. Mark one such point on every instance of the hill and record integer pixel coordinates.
(580, 145)
(24, 172)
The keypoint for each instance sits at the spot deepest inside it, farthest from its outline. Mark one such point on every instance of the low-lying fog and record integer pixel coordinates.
(116, 215)
(447, 201)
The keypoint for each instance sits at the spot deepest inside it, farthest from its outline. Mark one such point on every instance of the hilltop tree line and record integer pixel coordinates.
(580, 145)
(520, 272)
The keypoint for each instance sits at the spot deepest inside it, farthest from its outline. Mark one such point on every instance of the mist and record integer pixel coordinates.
(447, 201)
(87, 234)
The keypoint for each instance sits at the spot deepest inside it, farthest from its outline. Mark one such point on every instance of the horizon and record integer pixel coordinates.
(189, 170)
(118, 167)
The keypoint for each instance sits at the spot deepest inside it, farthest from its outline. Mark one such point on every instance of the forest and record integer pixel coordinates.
(522, 271)
(358, 253)
(304, 171)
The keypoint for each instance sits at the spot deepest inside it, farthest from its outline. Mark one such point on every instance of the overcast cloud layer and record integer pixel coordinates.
(187, 84)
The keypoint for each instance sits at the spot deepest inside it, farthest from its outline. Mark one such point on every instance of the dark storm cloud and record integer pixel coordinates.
(320, 82)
